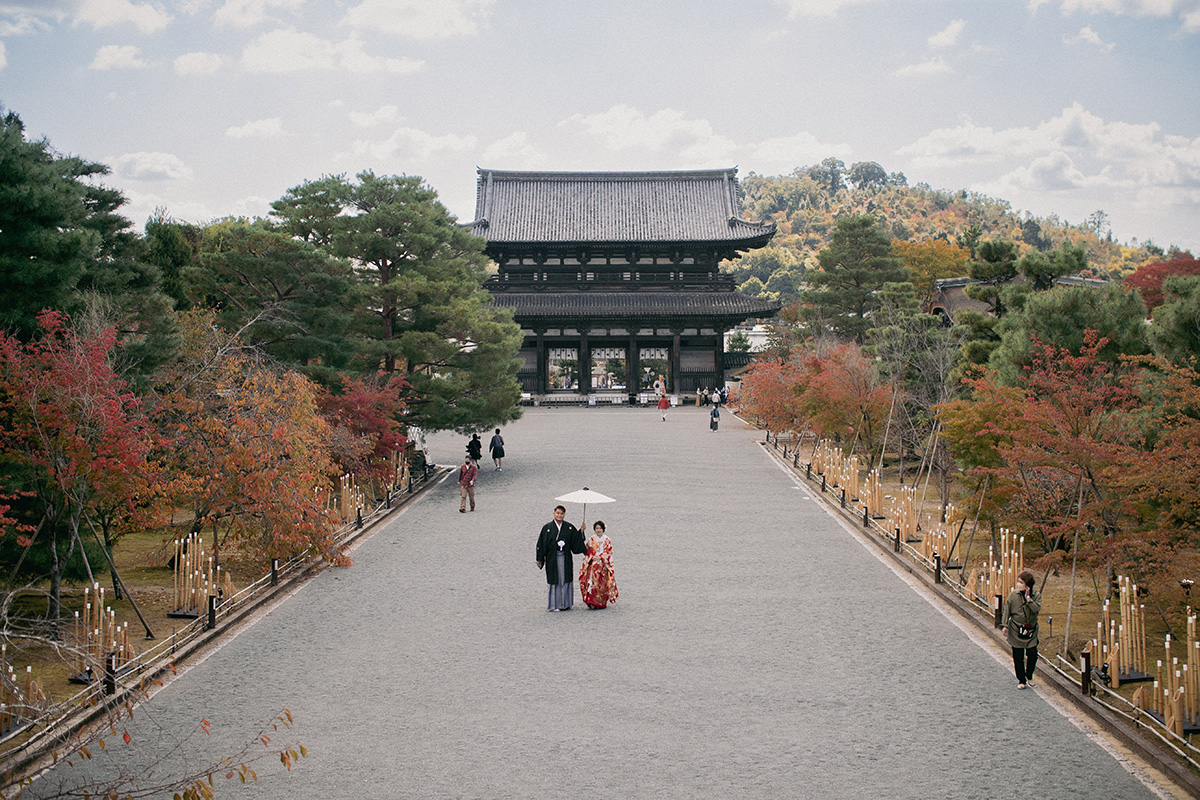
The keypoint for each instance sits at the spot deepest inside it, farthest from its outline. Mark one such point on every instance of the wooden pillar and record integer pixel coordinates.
(673, 383)
(585, 362)
(543, 377)
(633, 367)
(719, 357)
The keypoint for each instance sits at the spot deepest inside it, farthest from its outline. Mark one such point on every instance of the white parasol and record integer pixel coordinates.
(585, 496)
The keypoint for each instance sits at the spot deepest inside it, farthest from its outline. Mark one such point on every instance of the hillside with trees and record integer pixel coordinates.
(940, 228)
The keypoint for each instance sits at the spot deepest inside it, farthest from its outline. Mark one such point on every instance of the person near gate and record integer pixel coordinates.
(714, 418)
(663, 404)
(1019, 624)
(467, 473)
(555, 544)
(496, 448)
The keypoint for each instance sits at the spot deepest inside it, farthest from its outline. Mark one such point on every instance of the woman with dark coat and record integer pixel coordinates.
(1019, 623)
(496, 448)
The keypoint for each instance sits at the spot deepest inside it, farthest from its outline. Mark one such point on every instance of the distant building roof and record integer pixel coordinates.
(629, 305)
(950, 297)
(613, 208)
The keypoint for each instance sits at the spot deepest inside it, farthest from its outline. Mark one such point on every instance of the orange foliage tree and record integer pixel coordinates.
(843, 395)
(931, 260)
(767, 393)
(247, 449)
(837, 391)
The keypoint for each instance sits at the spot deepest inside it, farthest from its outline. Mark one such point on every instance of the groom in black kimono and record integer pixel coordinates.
(555, 544)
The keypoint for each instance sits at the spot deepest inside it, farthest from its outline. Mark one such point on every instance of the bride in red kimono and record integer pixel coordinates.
(597, 583)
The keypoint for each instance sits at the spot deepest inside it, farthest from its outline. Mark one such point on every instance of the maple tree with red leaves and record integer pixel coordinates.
(365, 426)
(767, 393)
(72, 432)
(1148, 279)
(843, 396)
(1054, 446)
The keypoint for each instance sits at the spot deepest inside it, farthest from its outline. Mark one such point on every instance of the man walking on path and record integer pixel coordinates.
(496, 448)
(555, 544)
(466, 484)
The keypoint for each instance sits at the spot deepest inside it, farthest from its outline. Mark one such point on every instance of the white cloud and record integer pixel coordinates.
(948, 36)
(932, 66)
(151, 167)
(198, 63)
(285, 51)
(1087, 36)
(258, 129)
(246, 13)
(118, 56)
(819, 8)
(1054, 172)
(380, 116)
(1188, 11)
(624, 127)
(21, 24)
(1129, 148)
(420, 19)
(515, 151)
(410, 144)
(105, 13)
(782, 155)
(693, 143)
(1071, 165)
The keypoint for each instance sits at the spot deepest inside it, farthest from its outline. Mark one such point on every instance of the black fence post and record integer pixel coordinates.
(796, 459)
(998, 604)
(358, 519)
(212, 611)
(896, 546)
(937, 568)
(822, 482)
(110, 673)
(866, 516)
(843, 497)
(1085, 676)
(387, 498)
(808, 471)
(274, 571)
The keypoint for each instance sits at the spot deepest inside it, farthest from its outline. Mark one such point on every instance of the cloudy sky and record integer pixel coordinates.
(211, 108)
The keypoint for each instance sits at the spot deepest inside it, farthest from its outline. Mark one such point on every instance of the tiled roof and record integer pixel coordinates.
(529, 305)
(613, 207)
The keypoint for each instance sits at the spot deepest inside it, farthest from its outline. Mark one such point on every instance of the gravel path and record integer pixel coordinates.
(757, 649)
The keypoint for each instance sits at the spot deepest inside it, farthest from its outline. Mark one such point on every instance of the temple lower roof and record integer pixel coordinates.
(724, 306)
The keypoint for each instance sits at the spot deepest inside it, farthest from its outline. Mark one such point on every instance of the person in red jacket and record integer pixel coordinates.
(663, 405)
(466, 484)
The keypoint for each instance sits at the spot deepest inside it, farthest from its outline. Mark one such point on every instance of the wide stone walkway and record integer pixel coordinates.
(758, 650)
